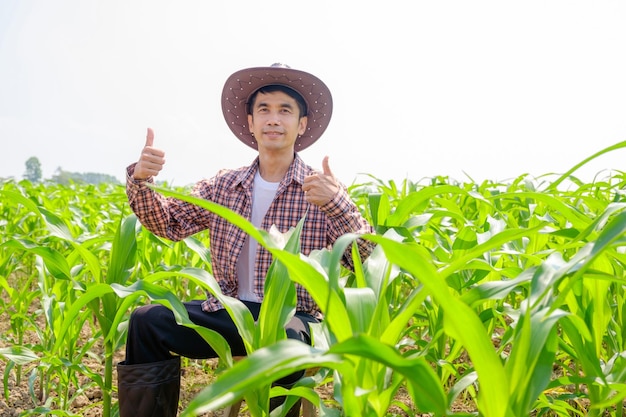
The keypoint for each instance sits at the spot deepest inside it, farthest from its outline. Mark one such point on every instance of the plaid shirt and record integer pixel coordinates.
(176, 220)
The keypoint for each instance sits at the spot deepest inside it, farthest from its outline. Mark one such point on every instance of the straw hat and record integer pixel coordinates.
(242, 84)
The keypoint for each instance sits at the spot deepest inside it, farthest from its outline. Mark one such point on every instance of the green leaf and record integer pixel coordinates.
(460, 322)
(20, 355)
(361, 304)
(554, 184)
(56, 225)
(123, 251)
(417, 371)
(258, 369)
(54, 261)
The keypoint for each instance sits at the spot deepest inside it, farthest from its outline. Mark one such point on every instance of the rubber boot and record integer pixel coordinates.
(294, 411)
(149, 389)
(287, 383)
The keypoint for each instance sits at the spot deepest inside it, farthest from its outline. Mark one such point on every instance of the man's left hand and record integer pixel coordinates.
(320, 187)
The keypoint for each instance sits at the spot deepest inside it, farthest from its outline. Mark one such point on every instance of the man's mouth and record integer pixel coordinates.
(272, 133)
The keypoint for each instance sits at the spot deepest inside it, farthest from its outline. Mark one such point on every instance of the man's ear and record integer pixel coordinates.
(303, 122)
(250, 120)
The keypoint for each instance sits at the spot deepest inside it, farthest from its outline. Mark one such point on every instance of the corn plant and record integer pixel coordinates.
(507, 298)
(451, 262)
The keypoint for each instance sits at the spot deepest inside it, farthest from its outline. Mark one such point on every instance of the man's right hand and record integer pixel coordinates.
(151, 161)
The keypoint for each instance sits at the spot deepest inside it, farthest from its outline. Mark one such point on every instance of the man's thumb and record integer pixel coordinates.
(326, 167)
(150, 137)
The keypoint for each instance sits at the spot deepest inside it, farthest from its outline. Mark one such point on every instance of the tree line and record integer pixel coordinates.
(33, 174)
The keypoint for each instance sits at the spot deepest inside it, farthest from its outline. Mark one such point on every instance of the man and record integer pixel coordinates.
(278, 111)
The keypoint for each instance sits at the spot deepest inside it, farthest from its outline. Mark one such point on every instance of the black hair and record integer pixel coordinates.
(273, 88)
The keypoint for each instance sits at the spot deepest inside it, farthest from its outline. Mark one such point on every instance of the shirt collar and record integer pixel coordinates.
(296, 173)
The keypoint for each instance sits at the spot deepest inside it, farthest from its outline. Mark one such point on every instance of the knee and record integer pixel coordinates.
(289, 380)
(298, 328)
(148, 315)
(298, 335)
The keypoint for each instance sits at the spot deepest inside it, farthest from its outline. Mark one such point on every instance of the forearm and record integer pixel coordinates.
(344, 217)
(155, 212)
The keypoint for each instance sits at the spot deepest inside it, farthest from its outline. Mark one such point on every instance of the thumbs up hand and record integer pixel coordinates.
(320, 187)
(151, 160)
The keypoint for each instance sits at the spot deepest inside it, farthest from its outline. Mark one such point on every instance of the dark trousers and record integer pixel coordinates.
(153, 334)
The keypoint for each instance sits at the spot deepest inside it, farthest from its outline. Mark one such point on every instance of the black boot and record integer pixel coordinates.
(294, 411)
(149, 389)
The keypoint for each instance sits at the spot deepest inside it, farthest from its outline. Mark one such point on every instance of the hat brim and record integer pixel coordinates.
(240, 86)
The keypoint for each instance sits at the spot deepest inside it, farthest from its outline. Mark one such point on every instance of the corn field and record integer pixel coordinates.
(508, 298)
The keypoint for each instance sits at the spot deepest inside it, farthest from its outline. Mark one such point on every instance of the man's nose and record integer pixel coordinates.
(273, 119)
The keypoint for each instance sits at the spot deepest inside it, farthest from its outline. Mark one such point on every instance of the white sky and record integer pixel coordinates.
(493, 89)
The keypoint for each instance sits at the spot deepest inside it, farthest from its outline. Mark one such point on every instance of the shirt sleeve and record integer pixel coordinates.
(166, 217)
(344, 217)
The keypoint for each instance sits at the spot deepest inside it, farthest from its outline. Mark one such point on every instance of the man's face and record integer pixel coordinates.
(275, 121)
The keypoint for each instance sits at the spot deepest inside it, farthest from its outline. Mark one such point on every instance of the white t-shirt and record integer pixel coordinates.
(263, 193)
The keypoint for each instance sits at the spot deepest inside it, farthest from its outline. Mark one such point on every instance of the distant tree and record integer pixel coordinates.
(61, 177)
(33, 170)
(65, 177)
